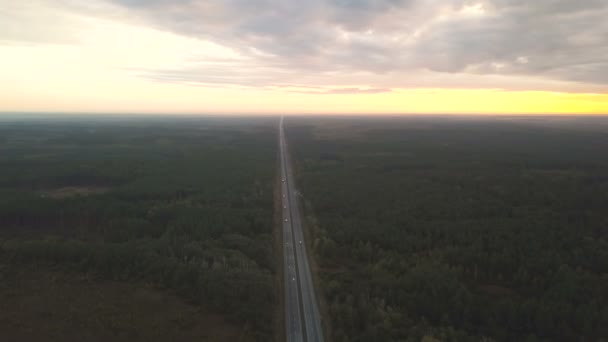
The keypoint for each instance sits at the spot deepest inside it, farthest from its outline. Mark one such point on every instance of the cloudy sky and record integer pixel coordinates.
(312, 56)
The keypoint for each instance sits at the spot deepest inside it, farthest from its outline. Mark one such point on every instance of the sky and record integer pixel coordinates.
(311, 56)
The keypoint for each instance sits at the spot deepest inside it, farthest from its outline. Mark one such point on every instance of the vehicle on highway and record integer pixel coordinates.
(301, 309)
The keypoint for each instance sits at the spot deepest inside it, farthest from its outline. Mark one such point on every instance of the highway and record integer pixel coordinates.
(302, 318)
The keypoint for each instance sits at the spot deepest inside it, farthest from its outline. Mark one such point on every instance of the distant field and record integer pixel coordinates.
(137, 229)
(458, 229)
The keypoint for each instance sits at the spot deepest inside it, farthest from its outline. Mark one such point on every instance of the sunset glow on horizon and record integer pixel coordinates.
(237, 56)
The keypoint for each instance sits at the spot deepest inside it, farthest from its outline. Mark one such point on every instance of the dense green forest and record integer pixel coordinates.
(183, 204)
(458, 229)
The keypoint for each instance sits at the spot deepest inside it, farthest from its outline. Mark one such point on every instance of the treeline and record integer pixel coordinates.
(186, 207)
(459, 231)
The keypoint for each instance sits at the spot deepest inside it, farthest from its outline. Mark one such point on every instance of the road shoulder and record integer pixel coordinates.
(310, 229)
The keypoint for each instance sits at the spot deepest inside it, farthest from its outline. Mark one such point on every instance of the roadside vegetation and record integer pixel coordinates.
(182, 206)
(458, 229)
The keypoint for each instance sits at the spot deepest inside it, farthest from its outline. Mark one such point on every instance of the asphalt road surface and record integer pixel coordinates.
(302, 318)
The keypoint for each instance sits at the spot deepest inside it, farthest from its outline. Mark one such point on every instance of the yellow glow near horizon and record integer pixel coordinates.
(98, 74)
(173, 98)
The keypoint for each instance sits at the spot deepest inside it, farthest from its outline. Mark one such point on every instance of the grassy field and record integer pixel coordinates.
(137, 229)
(458, 228)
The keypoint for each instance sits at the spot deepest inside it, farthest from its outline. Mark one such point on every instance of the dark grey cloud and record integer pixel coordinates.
(558, 39)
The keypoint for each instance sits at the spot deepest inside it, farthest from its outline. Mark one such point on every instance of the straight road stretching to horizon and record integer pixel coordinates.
(302, 318)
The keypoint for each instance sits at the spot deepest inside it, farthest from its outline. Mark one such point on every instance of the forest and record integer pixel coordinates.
(184, 205)
(456, 228)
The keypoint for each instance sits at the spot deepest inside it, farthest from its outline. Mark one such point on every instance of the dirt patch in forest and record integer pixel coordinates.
(74, 191)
